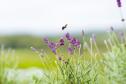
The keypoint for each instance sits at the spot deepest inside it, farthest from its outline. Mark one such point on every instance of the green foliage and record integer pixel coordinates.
(115, 65)
(79, 72)
(7, 60)
(95, 67)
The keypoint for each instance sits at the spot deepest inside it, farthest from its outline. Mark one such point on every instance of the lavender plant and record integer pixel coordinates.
(91, 67)
(7, 60)
(115, 60)
(84, 63)
(119, 4)
(73, 68)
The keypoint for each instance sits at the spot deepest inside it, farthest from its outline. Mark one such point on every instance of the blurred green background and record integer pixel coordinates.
(27, 58)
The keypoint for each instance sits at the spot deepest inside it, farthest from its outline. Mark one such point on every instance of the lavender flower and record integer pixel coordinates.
(46, 40)
(75, 42)
(53, 50)
(68, 36)
(119, 3)
(70, 50)
(52, 46)
(61, 42)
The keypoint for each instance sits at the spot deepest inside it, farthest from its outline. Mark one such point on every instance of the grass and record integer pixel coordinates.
(96, 67)
(27, 58)
(91, 67)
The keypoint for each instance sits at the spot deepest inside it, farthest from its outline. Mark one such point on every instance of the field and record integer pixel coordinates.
(62, 42)
(98, 61)
(27, 57)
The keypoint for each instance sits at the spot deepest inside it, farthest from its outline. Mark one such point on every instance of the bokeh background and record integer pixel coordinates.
(24, 23)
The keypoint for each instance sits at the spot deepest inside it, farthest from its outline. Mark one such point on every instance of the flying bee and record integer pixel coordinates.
(65, 26)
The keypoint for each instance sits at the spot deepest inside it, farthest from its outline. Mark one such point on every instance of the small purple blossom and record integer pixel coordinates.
(68, 36)
(61, 42)
(52, 46)
(53, 50)
(46, 40)
(119, 3)
(70, 50)
(75, 42)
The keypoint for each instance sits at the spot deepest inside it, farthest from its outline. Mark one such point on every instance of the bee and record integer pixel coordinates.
(65, 26)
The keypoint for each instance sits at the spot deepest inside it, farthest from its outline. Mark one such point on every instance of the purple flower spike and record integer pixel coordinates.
(53, 50)
(61, 42)
(119, 3)
(70, 50)
(77, 43)
(68, 36)
(46, 40)
(73, 41)
(52, 46)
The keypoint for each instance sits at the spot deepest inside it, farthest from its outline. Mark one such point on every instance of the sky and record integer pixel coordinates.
(42, 17)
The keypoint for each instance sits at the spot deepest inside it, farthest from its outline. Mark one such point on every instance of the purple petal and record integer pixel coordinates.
(51, 45)
(70, 50)
(61, 42)
(53, 50)
(68, 36)
(46, 40)
(119, 3)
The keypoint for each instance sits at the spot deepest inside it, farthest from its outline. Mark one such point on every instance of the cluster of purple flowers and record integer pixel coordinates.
(54, 45)
(119, 3)
(72, 40)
